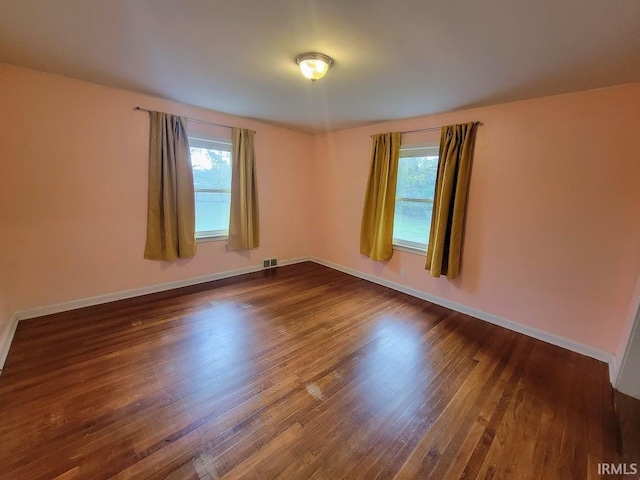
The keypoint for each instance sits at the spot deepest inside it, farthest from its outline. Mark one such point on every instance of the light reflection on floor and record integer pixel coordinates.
(395, 361)
(221, 342)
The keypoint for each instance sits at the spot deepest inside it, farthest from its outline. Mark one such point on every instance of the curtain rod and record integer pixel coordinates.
(195, 120)
(430, 129)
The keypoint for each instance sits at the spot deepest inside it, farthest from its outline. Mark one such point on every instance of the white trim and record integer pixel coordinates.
(211, 238)
(121, 295)
(137, 292)
(409, 249)
(292, 261)
(479, 314)
(413, 150)
(487, 317)
(636, 322)
(6, 342)
(218, 143)
(613, 370)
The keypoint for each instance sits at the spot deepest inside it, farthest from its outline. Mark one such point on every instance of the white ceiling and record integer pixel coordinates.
(393, 58)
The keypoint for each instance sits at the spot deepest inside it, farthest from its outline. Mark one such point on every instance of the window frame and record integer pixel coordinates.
(221, 145)
(413, 151)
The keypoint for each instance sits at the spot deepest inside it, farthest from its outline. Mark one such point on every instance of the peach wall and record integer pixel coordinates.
(553, 223)
(74, 191)
(551, 239)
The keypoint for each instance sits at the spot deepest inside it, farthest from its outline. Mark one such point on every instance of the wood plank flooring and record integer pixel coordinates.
(295, 373)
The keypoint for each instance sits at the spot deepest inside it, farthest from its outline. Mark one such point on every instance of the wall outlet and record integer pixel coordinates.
(402, 273)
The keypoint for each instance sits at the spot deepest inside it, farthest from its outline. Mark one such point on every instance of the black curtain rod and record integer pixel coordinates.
(430, 129)
(195, 120)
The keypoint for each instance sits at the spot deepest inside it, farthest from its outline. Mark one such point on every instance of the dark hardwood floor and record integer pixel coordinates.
(300, 372)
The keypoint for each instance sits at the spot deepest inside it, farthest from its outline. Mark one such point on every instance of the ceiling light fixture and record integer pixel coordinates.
(314, 66)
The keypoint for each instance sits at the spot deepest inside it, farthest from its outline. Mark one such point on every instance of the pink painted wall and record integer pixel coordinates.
(551, 240)
(73, 164)
(553, 223)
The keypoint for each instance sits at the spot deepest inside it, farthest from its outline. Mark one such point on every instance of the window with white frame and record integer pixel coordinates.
(417, 170)
(211, 163)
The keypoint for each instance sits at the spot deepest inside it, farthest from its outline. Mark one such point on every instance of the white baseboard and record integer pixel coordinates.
(112, 297)
(613, 370)
(137, 292)
(292, 261)
(494, 319)
(487, 317)
(5, 343)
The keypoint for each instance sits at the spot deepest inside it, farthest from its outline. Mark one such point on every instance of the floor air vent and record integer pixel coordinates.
(270, 263)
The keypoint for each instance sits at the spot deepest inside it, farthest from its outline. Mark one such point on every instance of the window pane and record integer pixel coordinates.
(416, 180)
(212, 211)
(211, 168)
(417, 177)
(412, 221)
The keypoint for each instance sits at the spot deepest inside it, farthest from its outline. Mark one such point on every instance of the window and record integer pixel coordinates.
(417, 170)
(211, 163)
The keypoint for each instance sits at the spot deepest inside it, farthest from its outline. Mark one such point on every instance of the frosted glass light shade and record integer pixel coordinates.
(314, 66)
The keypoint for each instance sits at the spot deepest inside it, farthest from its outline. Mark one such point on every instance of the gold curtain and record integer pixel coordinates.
(244, 225)
(171, 206)
(376, 230)
(449, 203)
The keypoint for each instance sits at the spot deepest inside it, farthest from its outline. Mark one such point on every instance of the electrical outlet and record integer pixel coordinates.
(402, 273)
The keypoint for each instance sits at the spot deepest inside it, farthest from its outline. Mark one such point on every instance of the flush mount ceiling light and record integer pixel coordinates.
(314, 66)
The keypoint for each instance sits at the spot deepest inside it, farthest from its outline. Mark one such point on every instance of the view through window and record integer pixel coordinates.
(417, 170)
(211, 163)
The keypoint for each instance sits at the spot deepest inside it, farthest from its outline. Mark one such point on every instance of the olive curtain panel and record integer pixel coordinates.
(450, 199)
(376, 230)
(244, 227)
(171, 209)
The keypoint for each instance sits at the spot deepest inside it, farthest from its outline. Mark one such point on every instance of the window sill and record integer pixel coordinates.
(212, 238)
(411, 250)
